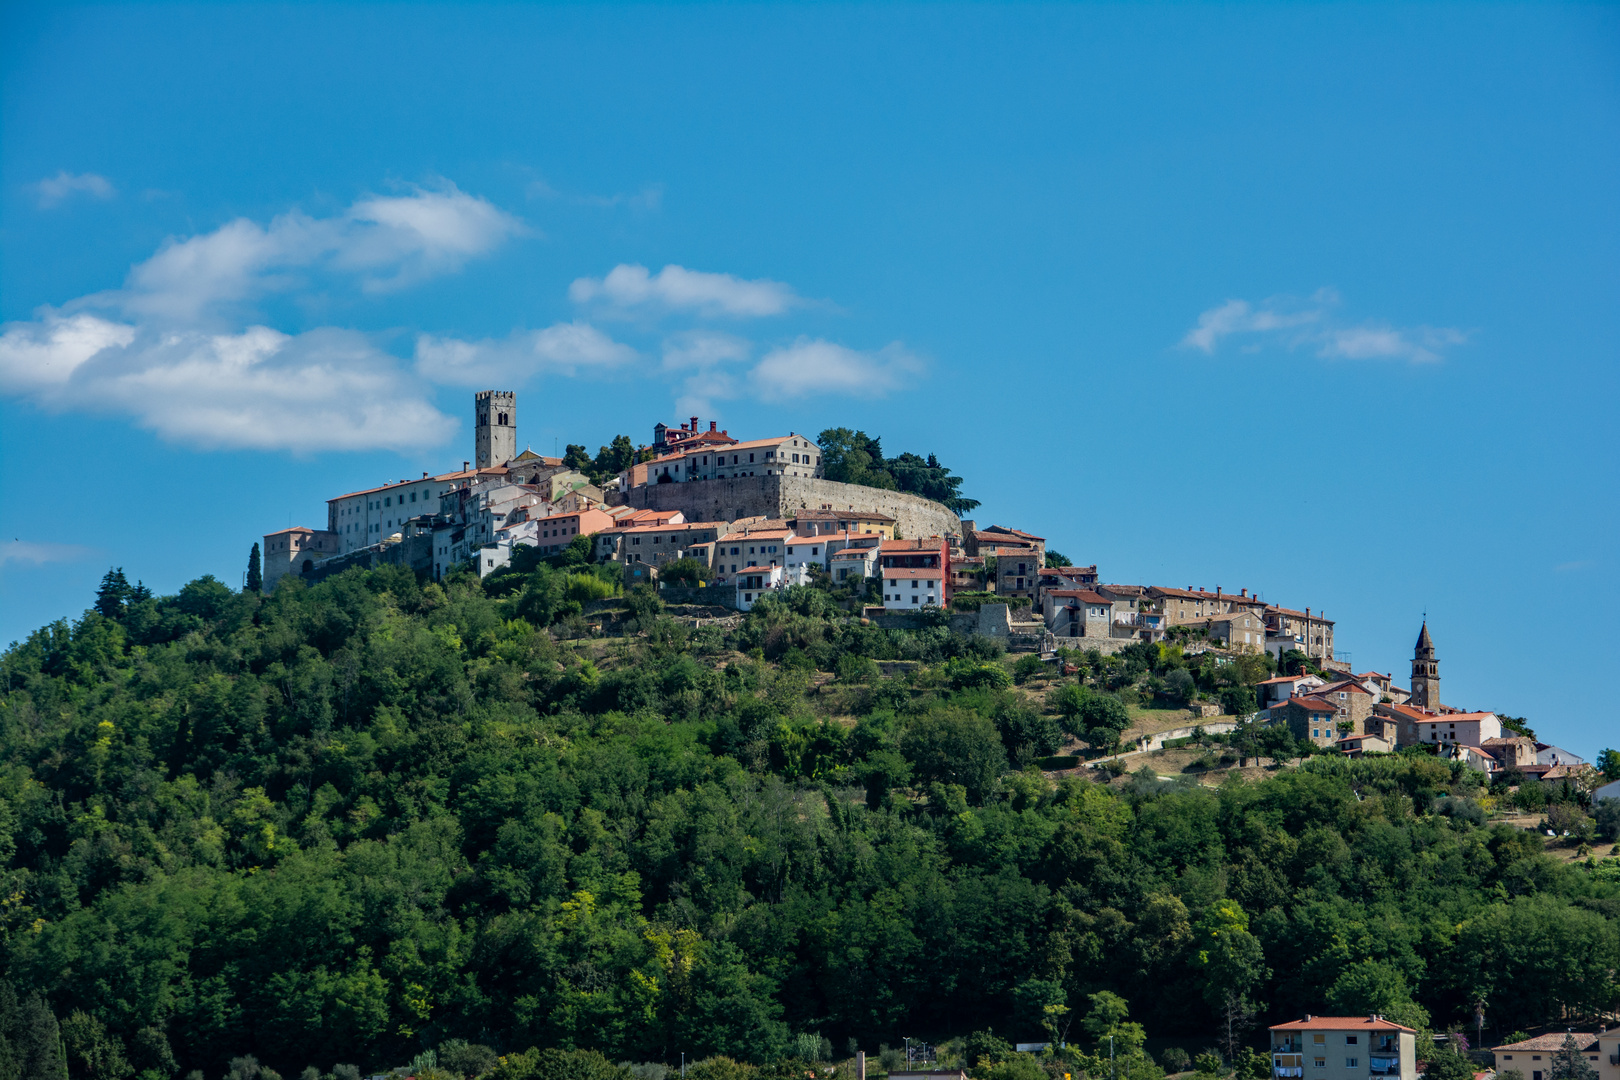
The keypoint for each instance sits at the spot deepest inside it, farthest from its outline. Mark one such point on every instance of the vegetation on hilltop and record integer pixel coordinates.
(854, 457)
(374, 819)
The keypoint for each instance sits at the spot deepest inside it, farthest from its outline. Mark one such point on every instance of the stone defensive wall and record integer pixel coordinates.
(784, 496)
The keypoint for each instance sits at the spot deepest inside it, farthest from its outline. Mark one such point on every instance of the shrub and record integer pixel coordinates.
(1029, 666)
(1174, 1059)
(1608, 819)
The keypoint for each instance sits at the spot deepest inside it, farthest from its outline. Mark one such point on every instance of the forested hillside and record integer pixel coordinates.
(352, 822)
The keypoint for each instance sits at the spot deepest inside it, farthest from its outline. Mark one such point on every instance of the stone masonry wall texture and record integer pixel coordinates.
(783, 496)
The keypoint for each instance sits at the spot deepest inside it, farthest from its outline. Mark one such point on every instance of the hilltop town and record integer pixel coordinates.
(709, 519)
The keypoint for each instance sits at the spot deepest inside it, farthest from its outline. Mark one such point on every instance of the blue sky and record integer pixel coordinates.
(1319, 301)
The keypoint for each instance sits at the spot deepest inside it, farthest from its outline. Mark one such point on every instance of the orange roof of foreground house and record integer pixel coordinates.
(1343, 1023)
(1315, 704)
(912, 572)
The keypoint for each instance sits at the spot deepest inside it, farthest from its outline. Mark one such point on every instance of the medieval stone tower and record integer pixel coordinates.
(1425, 673)
(495, 442)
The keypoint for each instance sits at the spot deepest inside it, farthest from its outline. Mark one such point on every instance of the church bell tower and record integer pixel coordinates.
(495, 438)
(1425, 673)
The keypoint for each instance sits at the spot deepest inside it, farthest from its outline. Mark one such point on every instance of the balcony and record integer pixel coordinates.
(1288, 1071)
(1287, 1047)
(1384, 1066)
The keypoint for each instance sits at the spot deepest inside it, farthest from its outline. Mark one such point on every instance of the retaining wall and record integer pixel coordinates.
(784, 496)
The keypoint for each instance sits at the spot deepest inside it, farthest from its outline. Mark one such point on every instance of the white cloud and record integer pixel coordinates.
(387, 242)
(815, 366)
(1293, 323)
(42, 356)
(565, 348)
(37, 554)
(676, 288)
(326, 389)
(173, 350)
(53, 189)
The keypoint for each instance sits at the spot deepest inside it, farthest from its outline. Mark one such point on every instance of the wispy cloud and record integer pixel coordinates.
(565, 348)
(815, 366)
(1310, 323)
(38, 554)
(1571, 567)
(177, 348)
(327, 389)
(385, 242)
(676, 288)
(54, 189)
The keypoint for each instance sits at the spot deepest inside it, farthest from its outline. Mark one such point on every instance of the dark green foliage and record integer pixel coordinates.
(365, 819)
(254, 582)
(112, 594)
(1055, 559)
(1608, 819)
(1608, 763)
(1237, 700)
(853, 457)
(688, 572)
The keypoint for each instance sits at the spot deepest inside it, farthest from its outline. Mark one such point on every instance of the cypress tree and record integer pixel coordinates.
(255, 576)
(114, 591)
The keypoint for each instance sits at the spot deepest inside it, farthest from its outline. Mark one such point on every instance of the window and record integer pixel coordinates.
(1349, 1063)
(1318, 1038)
(1349, 1040)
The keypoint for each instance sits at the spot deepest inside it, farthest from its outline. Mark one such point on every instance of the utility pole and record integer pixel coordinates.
(1110, 1057)
(683, 1065)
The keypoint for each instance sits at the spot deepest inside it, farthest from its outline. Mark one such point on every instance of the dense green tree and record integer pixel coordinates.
(255, 572)
(113, 593)
(1057, 559)
(1608, 763)
(374, 817)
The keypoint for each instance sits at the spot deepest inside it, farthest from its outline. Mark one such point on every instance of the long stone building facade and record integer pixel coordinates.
(785, 496)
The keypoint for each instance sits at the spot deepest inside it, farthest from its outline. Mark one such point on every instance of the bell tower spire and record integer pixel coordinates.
(1425, 672)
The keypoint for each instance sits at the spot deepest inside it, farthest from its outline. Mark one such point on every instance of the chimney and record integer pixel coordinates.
(1217, 592)
(1245, 592)
(464, 465)
(694, 425)
(713, 424)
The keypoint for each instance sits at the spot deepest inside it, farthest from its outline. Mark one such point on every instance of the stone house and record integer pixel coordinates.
(820, 522)
(1189, 605)
(1077, 613)
(1308, 717)
(1242, 630)
(1353, 701)
(659, 544)
(1283, 687)
(294, 551)
(1020, 557)
(1512, 752)
(750, 547)
(1287, 629)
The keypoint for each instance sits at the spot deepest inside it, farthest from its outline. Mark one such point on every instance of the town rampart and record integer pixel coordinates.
(784, 496)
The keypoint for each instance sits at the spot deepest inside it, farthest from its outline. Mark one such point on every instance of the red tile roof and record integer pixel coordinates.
(1085, 595)
(1342, 1023)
